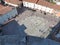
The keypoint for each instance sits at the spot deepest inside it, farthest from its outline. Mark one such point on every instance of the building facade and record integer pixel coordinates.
(43, 6)
(14, 3)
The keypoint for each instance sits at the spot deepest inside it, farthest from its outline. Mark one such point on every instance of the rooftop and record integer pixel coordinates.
(14, 1)
(33, 1)
(4, 9)
(44, 3)
(48, 4)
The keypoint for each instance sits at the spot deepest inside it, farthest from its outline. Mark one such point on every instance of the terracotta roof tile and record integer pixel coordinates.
(4, 9)
(13, 1)
(33, 1)
(48, 4)
(45, 3)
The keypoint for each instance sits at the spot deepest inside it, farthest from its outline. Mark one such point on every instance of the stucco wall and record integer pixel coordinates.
(37, 7)
(28, 4)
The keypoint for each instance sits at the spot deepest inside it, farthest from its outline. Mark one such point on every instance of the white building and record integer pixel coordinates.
(57, 2)
(34, 5)
(43, 6)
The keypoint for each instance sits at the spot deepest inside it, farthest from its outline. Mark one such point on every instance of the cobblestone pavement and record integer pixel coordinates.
(37, 23)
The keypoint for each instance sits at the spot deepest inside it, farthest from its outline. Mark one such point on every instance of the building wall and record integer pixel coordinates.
(41, 7)
(8, 15)
(37, 7)
(25, 3)
(28, 4)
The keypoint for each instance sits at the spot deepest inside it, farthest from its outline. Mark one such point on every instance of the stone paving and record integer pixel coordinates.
(37, 22)
(35, 26)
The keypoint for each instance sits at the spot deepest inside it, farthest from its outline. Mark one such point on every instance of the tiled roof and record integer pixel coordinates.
(48, 4)
(33, 1)
(13, 1)
(45, 3)
(4, 9)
